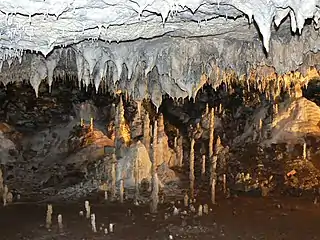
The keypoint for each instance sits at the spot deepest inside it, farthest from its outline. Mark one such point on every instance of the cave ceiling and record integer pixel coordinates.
(124, 41)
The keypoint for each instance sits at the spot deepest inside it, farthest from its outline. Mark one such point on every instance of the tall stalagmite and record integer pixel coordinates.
(191, 169)
(155, 180)
(211, 136)
(146, 131)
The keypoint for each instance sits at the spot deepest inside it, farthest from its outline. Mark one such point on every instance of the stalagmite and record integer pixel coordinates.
(186, 200)
(180, 152)
(203, 166)
(4, 195)
(191, 169)
(146, 132)
(200, 210)
(304, 151)
(60, 224)
(154, 147)
(136, 180)
(213, 191)
(113, 178)
(260, 128)
(162, 143)
(275, 109)
(121, 190)
(81, 122)
(1, 182)
(213, 178)
(155, 180)
(206, 209)
(224, 183)
(154, 194)
(106, 195)
(49, 216)
(9, 197)
(93, 223)
(88, 208)
(91, 124)
(111, 227)
(211, 136)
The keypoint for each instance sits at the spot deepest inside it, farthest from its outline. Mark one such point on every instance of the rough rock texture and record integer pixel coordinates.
(297, 119)
(137, 152)
(171, 43)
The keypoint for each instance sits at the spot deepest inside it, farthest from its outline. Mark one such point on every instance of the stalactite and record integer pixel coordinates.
(191, 169)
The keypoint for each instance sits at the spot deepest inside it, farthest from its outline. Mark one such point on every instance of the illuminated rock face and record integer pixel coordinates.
(172, 43)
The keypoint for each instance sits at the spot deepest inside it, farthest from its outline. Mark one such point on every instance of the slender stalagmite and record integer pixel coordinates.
(213, 178)
(191, 170)
(113, 177)
(224, 184)
(60, 224)
(4, 195)
(180, 152)
(161, 151)
(211, 136)
(1, 181)
(121, 190)
(304, 151)
(155, 182)
(186, 200)
(146, 132)
(200, 210)
(203, 167)
(88, 209)
(49, 216)
(93, 223)
(91, 124)
(260, 128)
(136, 180)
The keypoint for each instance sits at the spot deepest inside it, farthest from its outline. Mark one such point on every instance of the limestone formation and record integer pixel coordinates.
(49, 216)
(121, 191)
(146, 132)
(155, 181)
(60, 224)
(134, 155)
(211, 134)
(191, 169)
(88, 209)
(93, 223)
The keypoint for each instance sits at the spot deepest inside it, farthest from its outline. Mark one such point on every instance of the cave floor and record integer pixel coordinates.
(235, 218)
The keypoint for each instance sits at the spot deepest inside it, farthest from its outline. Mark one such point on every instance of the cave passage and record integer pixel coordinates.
(230, 151)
